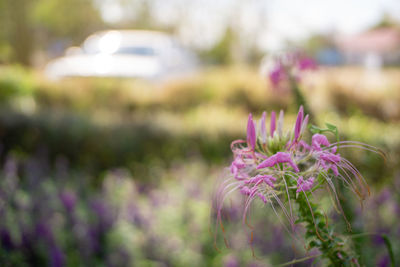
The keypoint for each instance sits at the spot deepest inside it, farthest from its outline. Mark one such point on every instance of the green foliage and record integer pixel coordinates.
(316, 43)
(97, 147)
(390, 249)
(319, 234)
(35, 24)
(387, 21)
(83, 18)
(18, 31)
(16, 83)
(222, 52)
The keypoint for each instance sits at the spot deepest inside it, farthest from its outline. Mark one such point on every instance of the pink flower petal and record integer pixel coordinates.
(251, 132)
(273, 123)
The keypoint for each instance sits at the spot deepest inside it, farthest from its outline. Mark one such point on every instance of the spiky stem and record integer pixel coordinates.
(299, 97)
(321, 235)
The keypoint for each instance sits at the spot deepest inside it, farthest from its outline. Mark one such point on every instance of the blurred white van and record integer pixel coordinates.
(124, 53)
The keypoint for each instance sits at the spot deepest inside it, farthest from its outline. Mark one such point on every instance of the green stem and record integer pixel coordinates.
(320, 235)
(299, 98)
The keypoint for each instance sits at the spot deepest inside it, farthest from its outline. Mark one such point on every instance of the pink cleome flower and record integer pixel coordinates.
(279, 157)
(268, 166)
(304, 185)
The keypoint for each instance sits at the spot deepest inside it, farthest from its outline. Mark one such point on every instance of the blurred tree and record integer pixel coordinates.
(138, 14)
(4, 46)
(16, 35)
(27, 25)
(72, 19)
(387, 21)
(317, 42)
(143, 17)
(222, 51)
(254, 55)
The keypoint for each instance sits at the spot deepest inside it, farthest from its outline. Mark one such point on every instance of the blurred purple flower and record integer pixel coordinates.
(231, 261)
(383, 196)
(43, 231)
(103, 213)
(56, 257)
(68, 199)
(277, 75)
(397, 209)
(256, 264)
(288, 67)
(10, 167)
(307, 63)
(377, 239)
(383, 262)
(6, 240)
(99, 208)
(26, 239)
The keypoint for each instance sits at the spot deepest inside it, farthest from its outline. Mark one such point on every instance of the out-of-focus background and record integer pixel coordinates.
(117, 116)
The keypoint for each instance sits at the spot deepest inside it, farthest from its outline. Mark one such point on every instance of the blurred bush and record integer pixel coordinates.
(374, 94)
(238, 87)
(103, 123)
(16, 83)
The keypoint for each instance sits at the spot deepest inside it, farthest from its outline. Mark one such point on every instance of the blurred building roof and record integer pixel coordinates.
(378, 41)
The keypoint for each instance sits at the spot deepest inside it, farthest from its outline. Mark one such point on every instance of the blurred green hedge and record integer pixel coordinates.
(103, 123)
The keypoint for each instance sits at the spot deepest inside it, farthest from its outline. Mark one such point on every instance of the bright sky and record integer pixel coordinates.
(296, 19)
(271, 22)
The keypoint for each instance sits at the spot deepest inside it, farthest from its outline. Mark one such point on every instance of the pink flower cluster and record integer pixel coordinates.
(290, 64)
(304, 185)
(270, 162)
(277, 166)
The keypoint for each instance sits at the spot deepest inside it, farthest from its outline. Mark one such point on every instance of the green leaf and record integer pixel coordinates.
(314, 243)
(331, 127)
(309, 234)
(389, 248)
(315, 129)
(300, 220)
(319, 214)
